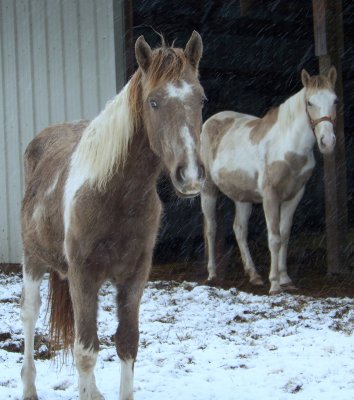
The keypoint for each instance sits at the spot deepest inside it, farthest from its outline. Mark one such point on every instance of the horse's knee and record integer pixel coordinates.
(274, 242)
(85, 357)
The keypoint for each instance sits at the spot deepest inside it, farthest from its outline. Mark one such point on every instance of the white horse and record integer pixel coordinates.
(266, 160)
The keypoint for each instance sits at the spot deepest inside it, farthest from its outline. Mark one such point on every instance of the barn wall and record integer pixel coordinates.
(56, 64)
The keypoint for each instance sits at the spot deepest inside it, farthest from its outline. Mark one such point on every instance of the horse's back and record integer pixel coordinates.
(223, 134)
(50, 143)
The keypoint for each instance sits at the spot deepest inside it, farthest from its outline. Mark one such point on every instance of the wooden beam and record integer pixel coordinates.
(129, 38)
(319, 26)
(123, 41)
(328, 37)
(246, 7)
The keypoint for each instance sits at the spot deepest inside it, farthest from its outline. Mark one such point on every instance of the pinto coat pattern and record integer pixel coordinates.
(266, 160)
(91, 211)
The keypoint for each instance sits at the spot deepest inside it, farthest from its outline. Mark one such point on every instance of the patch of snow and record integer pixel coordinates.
(199, 342)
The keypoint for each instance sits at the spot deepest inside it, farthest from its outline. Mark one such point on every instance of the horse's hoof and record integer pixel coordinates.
(97, 396)
(211, 282)
(289, 287)
(275, 292)
(257, 281)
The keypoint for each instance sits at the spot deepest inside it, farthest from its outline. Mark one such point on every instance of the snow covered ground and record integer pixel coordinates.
(203, 343)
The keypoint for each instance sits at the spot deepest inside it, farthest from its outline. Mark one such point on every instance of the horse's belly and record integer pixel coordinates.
(239, 185)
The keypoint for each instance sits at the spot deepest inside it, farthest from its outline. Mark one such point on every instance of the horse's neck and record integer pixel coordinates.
(141, 168)
(294, 129)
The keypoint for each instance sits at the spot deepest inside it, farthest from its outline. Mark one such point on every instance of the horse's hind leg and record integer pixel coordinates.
(286, 217)
(208, 197)
(33, 271)
(243, 212)
(84, 290)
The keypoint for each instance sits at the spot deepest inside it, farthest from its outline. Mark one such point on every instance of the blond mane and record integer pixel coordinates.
(291, 109)
(104, 144)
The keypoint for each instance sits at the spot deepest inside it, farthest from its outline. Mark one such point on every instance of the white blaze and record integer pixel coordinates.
(191, 171)
(179, 92)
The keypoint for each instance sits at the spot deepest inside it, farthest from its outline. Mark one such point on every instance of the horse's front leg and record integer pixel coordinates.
(127, 335)
(243, 212)
(84, 290)
(286, 218)
(33, 273)
(209, 196)
(271, 206)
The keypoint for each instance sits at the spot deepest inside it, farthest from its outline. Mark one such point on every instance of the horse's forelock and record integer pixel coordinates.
(167, 65)
(319, 82)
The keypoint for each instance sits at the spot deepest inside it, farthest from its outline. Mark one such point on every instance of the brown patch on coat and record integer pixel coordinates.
(216, 129)
(260, 127)
(285, 176)
(296, 161)
(239, 186)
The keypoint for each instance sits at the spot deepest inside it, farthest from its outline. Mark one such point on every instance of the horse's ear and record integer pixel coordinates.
(142, 53)
(332, 75)
(305, 77)
(194, 49)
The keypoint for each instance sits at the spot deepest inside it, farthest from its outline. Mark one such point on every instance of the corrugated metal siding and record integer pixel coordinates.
(56, 64)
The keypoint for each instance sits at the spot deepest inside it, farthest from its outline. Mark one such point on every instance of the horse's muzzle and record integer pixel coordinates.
(188, 183)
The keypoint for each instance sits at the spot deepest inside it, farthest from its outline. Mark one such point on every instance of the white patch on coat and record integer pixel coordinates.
(126, 379)
(53, 185)
(191, 171)
(85, 361)
(30, 305)
(179, 92)
(76, 178)
(37, 212)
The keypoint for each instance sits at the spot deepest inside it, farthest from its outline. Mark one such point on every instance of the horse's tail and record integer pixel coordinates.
(61, 321)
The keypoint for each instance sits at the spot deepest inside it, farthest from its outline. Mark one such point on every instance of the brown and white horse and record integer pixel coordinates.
(266, 160)
(91, 211)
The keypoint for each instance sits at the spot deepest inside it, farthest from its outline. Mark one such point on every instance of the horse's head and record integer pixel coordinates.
(321, 103)
(172, 101)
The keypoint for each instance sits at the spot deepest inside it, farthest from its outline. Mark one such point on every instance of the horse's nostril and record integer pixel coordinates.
(322, 141)
(180, 176)
(201, 172)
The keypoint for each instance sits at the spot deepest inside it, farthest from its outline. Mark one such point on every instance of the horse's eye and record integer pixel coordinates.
(153, 103)
(203, 101)
(309, 103)
(335, 101)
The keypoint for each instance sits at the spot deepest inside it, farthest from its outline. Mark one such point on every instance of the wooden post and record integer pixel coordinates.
(246, 7)
(328, 36)
(129, 38)
(123, 41)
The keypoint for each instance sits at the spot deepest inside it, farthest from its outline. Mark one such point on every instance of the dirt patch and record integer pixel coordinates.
(307, 270)
(306, 267)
